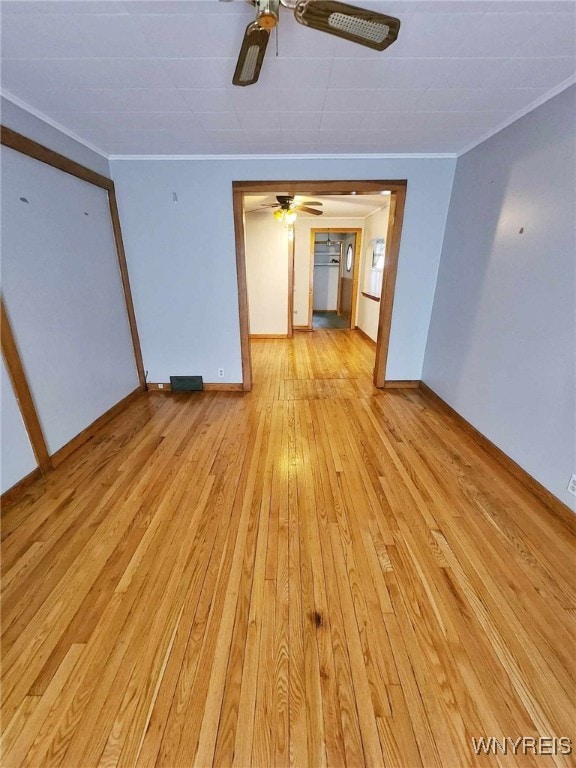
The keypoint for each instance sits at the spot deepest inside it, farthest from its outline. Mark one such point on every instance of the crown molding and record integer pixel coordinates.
(251, 158)
(517, 115)
(276, 157)
(52, 123)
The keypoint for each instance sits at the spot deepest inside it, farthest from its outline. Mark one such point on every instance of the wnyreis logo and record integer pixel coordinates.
(523, 745)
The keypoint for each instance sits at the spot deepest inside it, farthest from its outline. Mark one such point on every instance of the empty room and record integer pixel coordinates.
(288, 405)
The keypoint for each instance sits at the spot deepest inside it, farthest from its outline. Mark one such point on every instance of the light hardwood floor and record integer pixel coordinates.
(315, 573)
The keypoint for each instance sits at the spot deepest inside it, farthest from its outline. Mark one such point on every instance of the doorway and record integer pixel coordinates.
(397, 192)
(334, 277)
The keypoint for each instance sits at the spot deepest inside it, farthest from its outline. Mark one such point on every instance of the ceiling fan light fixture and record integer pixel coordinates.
(285, 215)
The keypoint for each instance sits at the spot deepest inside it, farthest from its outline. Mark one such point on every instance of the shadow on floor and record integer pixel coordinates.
(322, 319)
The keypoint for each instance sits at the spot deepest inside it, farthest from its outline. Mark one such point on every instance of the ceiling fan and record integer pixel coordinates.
(291, 203)
(369, 28)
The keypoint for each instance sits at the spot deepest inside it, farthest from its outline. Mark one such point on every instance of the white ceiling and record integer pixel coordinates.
(154, 78)
(333, 206)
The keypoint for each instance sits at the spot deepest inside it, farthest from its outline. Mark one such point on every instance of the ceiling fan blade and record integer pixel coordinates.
(369, 28)
(301, 201)
(308, 210)
(251, 55)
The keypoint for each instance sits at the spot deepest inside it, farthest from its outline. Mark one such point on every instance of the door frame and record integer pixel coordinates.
(348, 230)
(291, 251)
(397, 189)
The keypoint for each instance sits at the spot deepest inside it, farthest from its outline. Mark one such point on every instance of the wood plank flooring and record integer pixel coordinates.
(313, 574)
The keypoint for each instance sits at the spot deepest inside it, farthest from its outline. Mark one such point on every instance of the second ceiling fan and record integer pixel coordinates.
(289, 206)
(369, 28)
(290, 203)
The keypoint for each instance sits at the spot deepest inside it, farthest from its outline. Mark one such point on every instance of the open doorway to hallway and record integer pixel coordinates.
(291, 266)
(333, 265)
(334, 277)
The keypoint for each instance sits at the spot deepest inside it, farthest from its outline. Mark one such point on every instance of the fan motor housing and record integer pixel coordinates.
(268, 12)
(267, 20)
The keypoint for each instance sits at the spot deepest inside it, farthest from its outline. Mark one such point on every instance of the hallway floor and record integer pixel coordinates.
(321, 319)
(315, 573)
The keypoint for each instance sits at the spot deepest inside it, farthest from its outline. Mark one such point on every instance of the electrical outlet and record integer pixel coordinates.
(160, 386)
(572, 485)
(220, 373)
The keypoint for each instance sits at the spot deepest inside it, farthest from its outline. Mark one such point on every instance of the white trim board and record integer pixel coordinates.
(53, 123)
(376, 156)
(517, 115)
(414, 155)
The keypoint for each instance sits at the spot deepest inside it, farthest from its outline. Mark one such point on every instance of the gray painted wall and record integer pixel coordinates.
(181, 256)
(62, 288)
(501, 345)
(31, 126)
(16, 455)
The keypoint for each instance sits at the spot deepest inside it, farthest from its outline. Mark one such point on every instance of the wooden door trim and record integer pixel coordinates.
(397, 188)
(348, 230)
(243, 313)
(291, 251)
(33, 149)
(126, 285)
(26, 146)
(36, 151)
(23, 393)
(356, 277)
(395, 220)
(311, 282)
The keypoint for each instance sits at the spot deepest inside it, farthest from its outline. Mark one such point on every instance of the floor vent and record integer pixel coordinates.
(186, 383)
